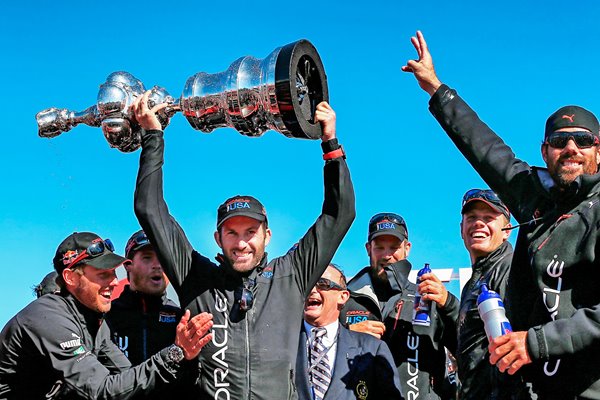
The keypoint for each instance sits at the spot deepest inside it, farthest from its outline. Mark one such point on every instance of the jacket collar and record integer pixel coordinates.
(490, 260)
(362, 283)
(90, 318)
(152, 300)
(582, 187)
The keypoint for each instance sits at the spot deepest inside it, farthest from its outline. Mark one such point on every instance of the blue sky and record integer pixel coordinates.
(514, 62)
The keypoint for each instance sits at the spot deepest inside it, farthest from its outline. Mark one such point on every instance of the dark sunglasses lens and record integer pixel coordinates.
(559, 140)
(141, 239)
(391, 217)
(247, 299)
(95, 248)
(109, 244)
(323, 284)
(326, 284)
(98, 248)
(480, 194)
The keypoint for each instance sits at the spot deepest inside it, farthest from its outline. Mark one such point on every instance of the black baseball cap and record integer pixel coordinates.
(387, 224)
(572, 116)
(239, 205)
(98, 252)
(486, 196)
(136, 242)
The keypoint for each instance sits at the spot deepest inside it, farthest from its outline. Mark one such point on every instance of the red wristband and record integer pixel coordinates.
(334, 154)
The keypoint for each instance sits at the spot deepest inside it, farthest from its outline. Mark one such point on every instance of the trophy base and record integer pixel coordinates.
(300, 85)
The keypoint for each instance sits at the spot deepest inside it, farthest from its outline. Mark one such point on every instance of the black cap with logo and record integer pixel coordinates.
(572, 116)
(86, 248)
(246, 206)
(387, 224)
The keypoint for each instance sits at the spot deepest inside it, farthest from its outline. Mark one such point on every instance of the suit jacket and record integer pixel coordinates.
(364, 369)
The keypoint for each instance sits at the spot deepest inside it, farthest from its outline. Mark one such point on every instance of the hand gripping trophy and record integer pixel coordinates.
(279, 92)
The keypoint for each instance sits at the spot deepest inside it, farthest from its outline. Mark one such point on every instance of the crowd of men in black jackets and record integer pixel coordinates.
(292, 327)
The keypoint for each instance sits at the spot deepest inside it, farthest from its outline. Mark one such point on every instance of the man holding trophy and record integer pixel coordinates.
(255, 303)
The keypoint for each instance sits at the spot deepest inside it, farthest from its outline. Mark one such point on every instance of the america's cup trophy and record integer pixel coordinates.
(111, 112)
(279, 92)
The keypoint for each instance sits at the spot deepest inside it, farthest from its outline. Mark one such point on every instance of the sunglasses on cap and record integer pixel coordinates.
(487, 194)
(328, 284)
(247, 299)
(139, 240)
(70, 258)
(582, 139)
(395, 218)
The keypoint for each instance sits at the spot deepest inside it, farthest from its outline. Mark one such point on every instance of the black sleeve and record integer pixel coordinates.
(495, 162)
(172, 246)
(318, 246)
(83, 373)
(449, 316)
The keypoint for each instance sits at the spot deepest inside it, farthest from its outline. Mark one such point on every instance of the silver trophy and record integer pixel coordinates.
(112, 112)
(279, 92)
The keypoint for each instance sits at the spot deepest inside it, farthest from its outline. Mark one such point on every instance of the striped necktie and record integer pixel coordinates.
(320, 374)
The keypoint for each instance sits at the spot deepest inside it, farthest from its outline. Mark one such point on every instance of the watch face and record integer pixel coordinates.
(175, 353)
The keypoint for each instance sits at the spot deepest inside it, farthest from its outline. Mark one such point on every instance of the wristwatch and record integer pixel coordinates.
(175, 354)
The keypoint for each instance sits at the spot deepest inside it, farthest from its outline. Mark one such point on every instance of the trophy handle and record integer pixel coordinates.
(54, 121)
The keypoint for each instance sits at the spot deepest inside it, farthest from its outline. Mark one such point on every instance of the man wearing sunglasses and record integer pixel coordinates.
(333, 362)
(552, 296)
(382, 302)
(59, 347)
(255, 303)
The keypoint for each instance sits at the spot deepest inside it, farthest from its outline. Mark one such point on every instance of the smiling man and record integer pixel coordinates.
(58, 347)
(552, 297)
(255, 302)
(333, 362)
(484, 228)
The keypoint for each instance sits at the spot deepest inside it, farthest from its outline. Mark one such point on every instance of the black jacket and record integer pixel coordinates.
(480, 379)
(364, 369)
(419, 356)
(553, 282)
(56, 348)
(142, 325)
(252, 354)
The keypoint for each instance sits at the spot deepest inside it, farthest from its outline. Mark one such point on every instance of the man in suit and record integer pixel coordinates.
(333, 362)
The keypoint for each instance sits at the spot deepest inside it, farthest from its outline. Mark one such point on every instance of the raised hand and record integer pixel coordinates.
(192, 334)
(422, 68)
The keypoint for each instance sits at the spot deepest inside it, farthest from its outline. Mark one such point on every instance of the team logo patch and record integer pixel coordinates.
(68, 256)
(356, 316)
(71, 343)
(79, 350)
(237, 204)
(385, 224)
(362, 392)
(267, 272)
(168, 318)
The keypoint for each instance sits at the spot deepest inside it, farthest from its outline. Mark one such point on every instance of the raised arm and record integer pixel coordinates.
(319, 244)
(486, 152)
(172, 246)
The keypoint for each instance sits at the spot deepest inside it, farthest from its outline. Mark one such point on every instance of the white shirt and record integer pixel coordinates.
(329, 341)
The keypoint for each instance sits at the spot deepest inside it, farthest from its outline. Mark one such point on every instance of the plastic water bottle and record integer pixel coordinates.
(491, 310)
(422, 307)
